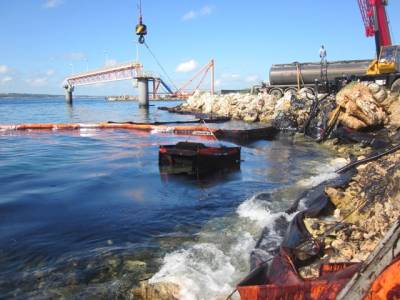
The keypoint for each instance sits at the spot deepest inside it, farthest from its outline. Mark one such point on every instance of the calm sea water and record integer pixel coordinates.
(86, 214)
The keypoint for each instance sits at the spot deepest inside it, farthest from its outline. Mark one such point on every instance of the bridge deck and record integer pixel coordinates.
(125, 71)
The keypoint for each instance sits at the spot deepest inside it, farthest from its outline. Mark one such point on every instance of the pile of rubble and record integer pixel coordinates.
(366, 208)
(250, 108)
(357, 106)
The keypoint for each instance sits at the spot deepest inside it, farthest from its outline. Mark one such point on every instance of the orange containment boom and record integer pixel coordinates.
(284, 283)
(387, 285)
(377, 278)
(184, 130)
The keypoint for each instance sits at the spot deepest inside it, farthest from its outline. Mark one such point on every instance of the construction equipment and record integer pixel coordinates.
(376, 24)
(387, 63)
(181, 93)
(141, 29)
(386, 66)
(384, 70)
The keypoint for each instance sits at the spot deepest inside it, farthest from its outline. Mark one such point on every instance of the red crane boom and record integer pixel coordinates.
(376, 22)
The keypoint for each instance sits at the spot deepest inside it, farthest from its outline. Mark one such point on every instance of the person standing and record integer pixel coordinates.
(322, 54)
(324, 63)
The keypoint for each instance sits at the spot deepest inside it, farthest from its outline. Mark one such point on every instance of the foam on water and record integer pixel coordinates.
(211, 268)
(259, 212)
(324, 172)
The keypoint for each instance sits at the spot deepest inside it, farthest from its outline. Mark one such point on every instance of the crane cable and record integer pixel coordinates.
(142, 41)
(139, 7)
(159, 64)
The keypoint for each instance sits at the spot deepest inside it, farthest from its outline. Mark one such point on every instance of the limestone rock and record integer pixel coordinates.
(305, 93)
(374, 87)
(360, 108)
(284, 103)
(134, 265)
(351, 122)
(380, 96)
(394, 114)
(157, 291)
(250, 115)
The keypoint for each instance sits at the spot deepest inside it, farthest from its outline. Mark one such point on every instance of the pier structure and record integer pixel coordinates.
(68, 93)
(126, 71)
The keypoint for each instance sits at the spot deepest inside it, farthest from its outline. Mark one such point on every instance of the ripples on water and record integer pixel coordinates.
(86, 214)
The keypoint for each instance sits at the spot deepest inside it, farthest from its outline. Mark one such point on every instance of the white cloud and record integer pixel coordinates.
(189, 15)
(38, 81)
(75, 56)
(110, 63)
(50, 72)
(218, 83)
(193, 14)
(52, 3)
(187, 66)
(6, 79)
(3, 69)
(207, 10)
(231, 76)
(252, 78)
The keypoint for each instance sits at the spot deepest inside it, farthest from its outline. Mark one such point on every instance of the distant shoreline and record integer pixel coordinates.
(5, 96)
(40, 96)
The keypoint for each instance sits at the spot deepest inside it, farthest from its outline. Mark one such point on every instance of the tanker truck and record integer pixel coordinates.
(332, 75)
(291, 77)
(384, 70)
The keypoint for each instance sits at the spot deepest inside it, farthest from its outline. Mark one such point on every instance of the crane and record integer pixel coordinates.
(376, 24)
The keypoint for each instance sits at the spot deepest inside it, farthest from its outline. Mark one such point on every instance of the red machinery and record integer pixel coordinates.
(376, 23)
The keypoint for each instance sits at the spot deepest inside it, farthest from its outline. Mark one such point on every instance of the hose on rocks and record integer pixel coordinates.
(313, 111)
(368, 159)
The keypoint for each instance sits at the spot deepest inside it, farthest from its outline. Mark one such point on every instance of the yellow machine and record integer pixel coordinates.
(388, 62)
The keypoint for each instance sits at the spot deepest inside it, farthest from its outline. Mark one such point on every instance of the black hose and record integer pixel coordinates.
(368, 159)
(313, 110)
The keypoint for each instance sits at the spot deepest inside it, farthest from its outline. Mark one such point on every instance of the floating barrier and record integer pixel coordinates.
(187, 130)
(266, 133)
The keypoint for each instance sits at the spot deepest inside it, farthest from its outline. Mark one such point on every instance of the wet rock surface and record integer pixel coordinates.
(158, 291)
(365, 209)
(360, 105)
(361, 118)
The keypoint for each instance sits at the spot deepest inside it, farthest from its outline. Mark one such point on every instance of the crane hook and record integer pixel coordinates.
(141, 29)
(141, 39)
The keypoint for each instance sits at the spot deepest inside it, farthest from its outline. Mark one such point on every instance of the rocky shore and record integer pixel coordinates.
(359, 121)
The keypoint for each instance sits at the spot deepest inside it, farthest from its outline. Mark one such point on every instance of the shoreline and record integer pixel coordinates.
(359, 121)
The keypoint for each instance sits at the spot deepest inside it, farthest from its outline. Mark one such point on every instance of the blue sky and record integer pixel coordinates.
(43, 41)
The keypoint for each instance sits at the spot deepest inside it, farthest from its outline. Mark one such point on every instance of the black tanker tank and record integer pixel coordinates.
(287, 74)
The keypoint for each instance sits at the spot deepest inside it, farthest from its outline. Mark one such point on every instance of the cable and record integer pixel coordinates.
(159, 64)
(368, 159)
(139, 6)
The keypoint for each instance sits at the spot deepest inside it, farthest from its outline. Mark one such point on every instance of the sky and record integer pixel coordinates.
(44, 41)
